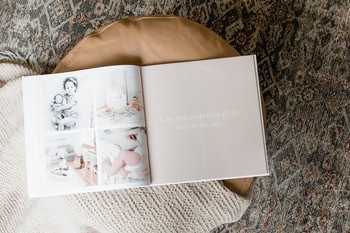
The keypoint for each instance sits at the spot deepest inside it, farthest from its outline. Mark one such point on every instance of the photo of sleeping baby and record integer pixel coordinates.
(124, 156)
(68, 104)
(119, 101)
(71, 160)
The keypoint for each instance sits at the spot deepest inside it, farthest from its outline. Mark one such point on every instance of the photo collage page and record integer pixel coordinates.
(94, 130)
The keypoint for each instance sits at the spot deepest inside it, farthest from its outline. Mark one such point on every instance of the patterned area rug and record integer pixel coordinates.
(303, 54)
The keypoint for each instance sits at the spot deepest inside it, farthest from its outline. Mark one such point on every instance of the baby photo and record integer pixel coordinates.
(67, 104)
(118, 100)
(71, 160)
(123, 155)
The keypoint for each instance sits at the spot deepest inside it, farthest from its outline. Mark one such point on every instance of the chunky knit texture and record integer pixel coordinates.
(194, 207)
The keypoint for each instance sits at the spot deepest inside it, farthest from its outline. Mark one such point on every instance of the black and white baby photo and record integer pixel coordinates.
(67, 103)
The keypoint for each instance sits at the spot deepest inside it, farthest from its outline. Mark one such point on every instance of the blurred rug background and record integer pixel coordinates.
(303, 61)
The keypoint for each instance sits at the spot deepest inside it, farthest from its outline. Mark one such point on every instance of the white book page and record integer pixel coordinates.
(85, 131)
(204, 120)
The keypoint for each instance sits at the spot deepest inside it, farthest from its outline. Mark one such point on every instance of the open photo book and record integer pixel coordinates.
(128, 126)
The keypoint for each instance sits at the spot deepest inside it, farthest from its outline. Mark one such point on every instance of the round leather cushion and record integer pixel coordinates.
(147, 41)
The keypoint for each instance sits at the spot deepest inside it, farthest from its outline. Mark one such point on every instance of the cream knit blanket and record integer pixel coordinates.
(196, 207)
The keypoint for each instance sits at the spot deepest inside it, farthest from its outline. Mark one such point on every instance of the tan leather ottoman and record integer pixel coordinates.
(148, 41)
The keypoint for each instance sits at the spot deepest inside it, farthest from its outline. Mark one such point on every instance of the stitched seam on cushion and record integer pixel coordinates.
(247, 182)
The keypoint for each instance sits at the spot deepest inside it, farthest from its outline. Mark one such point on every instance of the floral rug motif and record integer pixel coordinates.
(303, 61)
